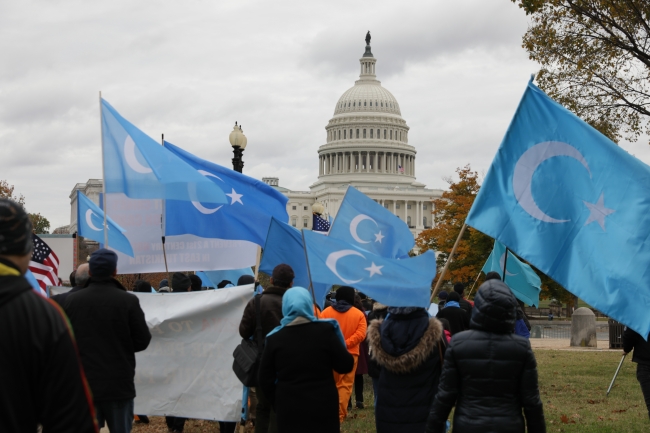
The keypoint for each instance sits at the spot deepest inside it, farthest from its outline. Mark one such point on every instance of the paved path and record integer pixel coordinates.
(564, 344)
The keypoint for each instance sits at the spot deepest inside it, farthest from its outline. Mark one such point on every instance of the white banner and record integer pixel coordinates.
(187, 368)
(142, 221)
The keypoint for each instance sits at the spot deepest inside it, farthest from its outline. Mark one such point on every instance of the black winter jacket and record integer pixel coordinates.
(110, 328)
(632, 340)
(270, 310)
(457, 317)
(41, 380)
(408, 382)
(489, 374)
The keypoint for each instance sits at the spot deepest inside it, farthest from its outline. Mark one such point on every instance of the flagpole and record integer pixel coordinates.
(163, 226)
(257, 262)
(101, 125)
(311, 284)
(505, 262)
(449, 260)
(616, 374)
(472, 289)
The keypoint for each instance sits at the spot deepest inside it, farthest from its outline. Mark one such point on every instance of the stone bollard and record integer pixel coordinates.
(583, 328)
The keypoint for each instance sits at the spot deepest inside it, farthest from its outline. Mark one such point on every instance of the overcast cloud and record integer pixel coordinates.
(190, 69)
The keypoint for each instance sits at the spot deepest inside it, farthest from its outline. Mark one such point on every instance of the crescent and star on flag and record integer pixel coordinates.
(523, 176)
(334, 257)
(135, 165)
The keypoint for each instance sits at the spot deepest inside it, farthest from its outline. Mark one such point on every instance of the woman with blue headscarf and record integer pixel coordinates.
(296, 368)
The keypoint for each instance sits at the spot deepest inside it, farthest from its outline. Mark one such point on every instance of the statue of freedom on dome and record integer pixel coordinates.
(368, 38)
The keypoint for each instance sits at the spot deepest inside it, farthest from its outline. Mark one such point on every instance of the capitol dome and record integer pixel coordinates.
(367, 97)
(367, 138)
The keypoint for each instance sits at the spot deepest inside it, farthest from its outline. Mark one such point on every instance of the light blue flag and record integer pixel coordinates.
(213, 278)
(246, 216)
(393, 282)
(34, 283)
(366, 224)
(139, 167)
(284, 245)
(520, 277)
(90, 224)
(573, 204)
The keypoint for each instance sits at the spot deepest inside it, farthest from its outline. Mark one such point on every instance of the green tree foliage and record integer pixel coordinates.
(40, 223)
(595, 58)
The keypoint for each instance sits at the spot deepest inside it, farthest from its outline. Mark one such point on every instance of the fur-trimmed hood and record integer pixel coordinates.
(410, 360)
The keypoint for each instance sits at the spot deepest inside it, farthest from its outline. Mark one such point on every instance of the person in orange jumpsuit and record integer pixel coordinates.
(353, 325)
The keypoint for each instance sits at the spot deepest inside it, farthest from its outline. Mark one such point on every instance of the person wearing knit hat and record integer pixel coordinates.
(442, 296)
(181, 282)
(42, 382)
(110, 327)
(353, 324)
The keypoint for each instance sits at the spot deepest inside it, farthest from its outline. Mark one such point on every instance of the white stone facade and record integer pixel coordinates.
(366, 147)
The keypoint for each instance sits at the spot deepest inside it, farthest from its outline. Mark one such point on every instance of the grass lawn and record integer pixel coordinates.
(573, 387)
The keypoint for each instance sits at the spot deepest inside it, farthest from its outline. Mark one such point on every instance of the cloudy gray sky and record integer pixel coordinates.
(190, 69)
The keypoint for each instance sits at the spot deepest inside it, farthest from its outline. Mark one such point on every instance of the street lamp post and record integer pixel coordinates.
(238, 142)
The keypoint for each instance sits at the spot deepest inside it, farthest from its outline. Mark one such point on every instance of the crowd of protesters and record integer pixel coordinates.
(473, 356)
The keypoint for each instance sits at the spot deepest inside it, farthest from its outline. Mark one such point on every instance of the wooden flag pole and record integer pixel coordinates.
(449, 260)
(472, 289)
(257, 262)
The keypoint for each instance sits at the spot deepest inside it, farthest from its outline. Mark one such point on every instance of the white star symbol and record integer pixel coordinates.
(379, 237)
(374, 269)
(234, 197)
(598, 212)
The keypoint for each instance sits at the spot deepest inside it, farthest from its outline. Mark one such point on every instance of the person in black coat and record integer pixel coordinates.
(41, 379)
(296, 367)
(633, 341)
(490, 374)
(81, 277)
(110, 328)
(464, 303)
(409, 346)
(457, 317)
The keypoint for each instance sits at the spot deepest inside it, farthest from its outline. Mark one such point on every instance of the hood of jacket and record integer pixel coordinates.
(410, 360)
(12, 283)
(495, 308)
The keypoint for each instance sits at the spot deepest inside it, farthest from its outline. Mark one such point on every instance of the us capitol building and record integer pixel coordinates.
(367, 147)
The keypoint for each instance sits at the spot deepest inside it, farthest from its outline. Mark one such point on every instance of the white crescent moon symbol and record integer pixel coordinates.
(89, 220)
(502, 262)
(335, 256)
(525, 169)
(355, 223)
(198, 205)
(129, 156)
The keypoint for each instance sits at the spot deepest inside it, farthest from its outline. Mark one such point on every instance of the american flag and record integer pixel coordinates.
(320, 224)
(401, 169)
(44, 264)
